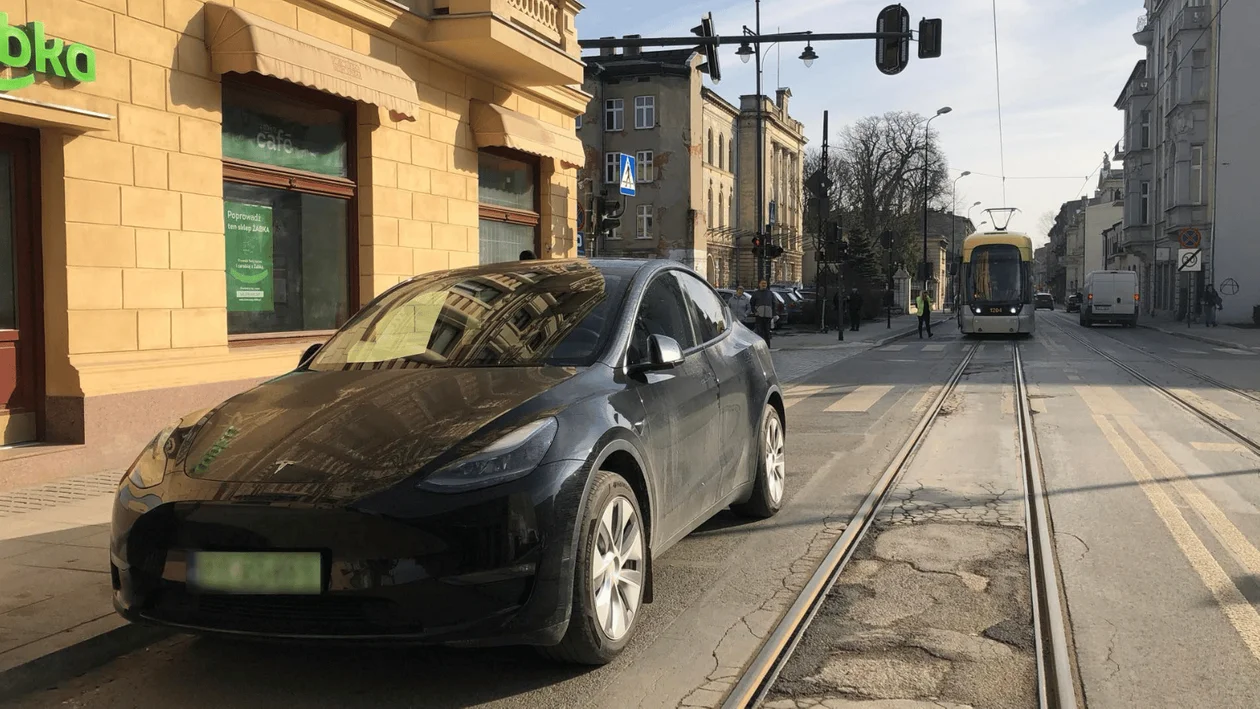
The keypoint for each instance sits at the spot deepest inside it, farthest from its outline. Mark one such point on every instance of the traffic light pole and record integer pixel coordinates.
(807, 37)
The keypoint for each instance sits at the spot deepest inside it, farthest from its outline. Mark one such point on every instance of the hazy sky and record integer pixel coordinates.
(1063, 64)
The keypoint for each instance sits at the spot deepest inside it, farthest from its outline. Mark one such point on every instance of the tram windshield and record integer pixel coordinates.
(997, 274)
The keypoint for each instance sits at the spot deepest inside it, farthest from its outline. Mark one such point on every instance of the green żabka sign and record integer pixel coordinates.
(250, 274)
(29, 47)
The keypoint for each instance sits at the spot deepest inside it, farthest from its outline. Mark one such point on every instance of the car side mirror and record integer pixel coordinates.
(309, 353)
(663, 353)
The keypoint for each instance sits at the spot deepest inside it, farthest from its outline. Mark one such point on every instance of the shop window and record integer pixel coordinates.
(508, 192)
(289, 206)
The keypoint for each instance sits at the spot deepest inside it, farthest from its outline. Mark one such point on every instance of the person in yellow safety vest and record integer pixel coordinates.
(924, 304)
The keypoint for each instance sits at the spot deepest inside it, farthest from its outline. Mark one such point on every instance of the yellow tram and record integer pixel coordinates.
(995, 284)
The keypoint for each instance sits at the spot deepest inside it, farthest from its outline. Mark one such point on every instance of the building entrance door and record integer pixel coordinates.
(20, 289)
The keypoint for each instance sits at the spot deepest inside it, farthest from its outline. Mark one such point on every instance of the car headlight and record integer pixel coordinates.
(510, 457)
(150, 468)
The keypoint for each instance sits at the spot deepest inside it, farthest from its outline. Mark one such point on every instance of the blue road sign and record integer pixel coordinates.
(581, 243)
(627, 175)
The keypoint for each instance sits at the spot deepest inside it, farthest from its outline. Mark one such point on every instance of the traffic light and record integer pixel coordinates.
(710, 51)
(892, 55)
(609, 211)
(756, 245)
(774, 251)
(929, 39)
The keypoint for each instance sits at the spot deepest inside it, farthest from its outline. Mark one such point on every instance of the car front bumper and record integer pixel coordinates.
(488, 567)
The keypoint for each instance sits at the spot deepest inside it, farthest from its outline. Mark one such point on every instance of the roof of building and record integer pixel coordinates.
(669, 62)
(1139, 72)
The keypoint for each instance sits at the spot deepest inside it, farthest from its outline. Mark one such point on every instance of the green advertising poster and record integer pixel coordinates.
(250, 275)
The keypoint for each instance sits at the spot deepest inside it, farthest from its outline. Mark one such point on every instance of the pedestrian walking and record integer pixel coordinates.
(763, 309)
(855, 310)
(741, 305)
(924, 304)
(1212, 302)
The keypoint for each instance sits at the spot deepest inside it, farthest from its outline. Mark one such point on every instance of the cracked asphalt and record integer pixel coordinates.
(935, 609)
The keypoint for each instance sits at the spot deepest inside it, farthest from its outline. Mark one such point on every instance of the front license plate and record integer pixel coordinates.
(256, 572)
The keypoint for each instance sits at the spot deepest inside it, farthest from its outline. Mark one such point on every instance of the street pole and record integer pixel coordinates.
(927, 137)
(760, 256)
(953, 217)
(824, 206)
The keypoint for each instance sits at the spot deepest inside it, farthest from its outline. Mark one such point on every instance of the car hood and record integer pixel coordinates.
(355, 432)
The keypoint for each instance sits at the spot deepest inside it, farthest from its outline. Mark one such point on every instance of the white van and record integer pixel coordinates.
(1110, 297)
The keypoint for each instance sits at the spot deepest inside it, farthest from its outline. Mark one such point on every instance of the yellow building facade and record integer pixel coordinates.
(194, 192)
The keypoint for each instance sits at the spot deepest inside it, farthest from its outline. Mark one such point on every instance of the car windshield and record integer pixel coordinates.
(532, 315)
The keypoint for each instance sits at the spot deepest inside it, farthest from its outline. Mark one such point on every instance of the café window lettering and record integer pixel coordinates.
(288, 201)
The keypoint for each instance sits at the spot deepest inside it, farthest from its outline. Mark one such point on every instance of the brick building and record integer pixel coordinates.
(193, 193)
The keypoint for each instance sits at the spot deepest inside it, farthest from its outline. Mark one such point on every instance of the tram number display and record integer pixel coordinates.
(995, 310)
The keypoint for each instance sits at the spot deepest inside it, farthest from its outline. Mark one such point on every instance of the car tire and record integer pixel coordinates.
(592, 637)
(771, 477)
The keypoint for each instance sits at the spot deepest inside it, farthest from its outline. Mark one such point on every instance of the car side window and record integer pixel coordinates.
(662, 312)
(707, 311)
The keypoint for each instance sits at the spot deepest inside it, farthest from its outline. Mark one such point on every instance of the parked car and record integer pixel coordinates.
(1073, 303)
(792, 303)
(1043, 300)
(491, 455)
(780, 308)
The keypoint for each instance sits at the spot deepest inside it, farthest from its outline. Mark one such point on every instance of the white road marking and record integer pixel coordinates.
(859, 400)
(1205, 405)
(1221, 447)
(1233, 351)
(1241, 614)
(1194, 352)
(1105, 400)
(1232, 538)
(798, 394)
(893, 348)
(934, 348)
(1073, 378)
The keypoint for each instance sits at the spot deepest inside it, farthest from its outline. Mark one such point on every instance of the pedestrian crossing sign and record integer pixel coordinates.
(627, 175)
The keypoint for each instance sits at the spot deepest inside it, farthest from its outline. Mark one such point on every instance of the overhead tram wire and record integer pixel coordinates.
(997, 70)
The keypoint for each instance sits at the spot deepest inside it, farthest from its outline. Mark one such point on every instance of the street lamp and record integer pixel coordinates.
(927, 135)
(752, 46)
(953, 217)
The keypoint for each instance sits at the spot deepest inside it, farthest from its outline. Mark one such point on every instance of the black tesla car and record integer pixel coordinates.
(491, 455)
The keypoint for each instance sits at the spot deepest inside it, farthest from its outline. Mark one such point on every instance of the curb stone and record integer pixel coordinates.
(1197, 338)
(74, 660)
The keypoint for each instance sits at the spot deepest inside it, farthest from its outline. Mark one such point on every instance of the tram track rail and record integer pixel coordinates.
(1188, 405)
(1056, 685)
(1252, 396)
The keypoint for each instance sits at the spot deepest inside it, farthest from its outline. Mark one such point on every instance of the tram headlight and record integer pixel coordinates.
(978, 311)
(1014, 311)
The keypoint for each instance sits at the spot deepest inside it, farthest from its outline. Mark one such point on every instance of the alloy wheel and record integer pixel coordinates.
(776, 468)
(617, 567)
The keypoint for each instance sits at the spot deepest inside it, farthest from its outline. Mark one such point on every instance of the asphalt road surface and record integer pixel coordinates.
(1156, 515)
